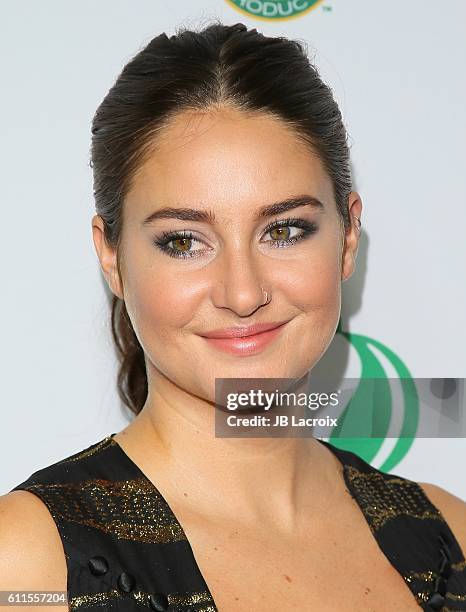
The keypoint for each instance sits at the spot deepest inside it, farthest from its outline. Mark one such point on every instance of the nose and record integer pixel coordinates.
(239, 283)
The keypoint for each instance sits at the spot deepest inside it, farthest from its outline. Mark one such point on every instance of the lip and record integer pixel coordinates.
(242, 331)
(243, 345)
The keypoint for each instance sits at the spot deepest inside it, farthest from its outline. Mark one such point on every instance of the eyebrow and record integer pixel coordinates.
(208, 216)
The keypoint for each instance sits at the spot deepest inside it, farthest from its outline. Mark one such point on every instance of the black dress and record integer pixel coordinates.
(125, 550)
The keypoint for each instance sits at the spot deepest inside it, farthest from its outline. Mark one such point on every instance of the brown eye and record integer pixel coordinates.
(282, 232)
(184, 243)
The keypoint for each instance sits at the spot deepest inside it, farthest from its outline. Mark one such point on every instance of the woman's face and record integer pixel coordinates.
(232, 165)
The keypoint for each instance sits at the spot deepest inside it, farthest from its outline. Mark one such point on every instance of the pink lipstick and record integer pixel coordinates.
(244, 340)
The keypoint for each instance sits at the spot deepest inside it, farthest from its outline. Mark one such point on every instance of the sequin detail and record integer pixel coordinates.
(128, 509)
(382, 499)
(88, 452)
(429, 578)
(80, 602)
(181, 599)
(177, 601)
(456, 597)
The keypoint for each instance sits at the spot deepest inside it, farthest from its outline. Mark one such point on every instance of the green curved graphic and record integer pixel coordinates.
(363, 425)
(274, 10)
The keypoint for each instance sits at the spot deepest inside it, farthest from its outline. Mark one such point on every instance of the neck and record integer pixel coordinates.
(272, 480)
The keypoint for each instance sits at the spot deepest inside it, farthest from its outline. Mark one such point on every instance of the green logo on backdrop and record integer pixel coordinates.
(370, 408)
(275, 10)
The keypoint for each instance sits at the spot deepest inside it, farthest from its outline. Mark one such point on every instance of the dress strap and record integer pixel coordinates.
(124, 548)
(410, 530)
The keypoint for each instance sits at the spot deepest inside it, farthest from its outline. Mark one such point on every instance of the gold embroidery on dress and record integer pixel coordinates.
(383, 499)
(460, 566)
(422, 596)
(199, 597)
(142, 597)
(87, 453)
(85, 601)
(128, 509)
(456, 597)
(179, 599)
(427, 576)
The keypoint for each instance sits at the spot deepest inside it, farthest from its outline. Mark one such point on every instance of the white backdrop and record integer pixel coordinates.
(397, 71)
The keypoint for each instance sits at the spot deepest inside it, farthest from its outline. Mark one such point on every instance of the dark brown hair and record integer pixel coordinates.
(191, 70)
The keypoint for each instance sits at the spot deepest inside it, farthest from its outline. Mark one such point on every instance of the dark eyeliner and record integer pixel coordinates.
(308, 228)
(166, 237)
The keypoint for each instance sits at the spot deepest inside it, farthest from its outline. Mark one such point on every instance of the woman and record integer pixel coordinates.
(224, 200)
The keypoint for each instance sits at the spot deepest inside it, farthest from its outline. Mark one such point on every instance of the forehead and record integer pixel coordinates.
(226, 159)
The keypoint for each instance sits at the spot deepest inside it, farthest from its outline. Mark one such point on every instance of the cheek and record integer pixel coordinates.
(313, 284)
(159, 307)
(313, 288)
(160, 303)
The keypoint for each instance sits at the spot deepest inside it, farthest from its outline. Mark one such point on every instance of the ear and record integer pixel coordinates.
(352, 236)
(107, 257)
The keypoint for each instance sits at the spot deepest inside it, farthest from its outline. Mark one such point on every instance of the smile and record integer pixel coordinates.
(247, 345)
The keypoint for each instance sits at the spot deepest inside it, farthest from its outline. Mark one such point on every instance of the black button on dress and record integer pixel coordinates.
(125, 549)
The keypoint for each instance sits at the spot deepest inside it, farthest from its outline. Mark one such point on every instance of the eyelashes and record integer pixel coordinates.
(186, 238)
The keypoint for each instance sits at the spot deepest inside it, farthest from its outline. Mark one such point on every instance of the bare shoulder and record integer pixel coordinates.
(452, 508)
(31, 551)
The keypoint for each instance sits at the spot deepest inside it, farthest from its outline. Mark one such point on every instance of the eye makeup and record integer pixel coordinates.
(186, 238)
